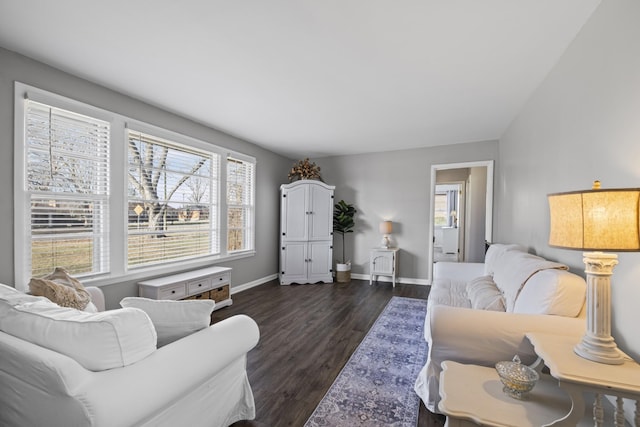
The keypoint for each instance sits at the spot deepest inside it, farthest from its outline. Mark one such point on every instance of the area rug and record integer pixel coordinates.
(375, 387)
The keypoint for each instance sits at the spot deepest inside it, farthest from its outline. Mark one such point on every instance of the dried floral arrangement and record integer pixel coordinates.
(304, 169)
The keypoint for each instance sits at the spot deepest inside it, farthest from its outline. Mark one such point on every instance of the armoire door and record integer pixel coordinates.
(295, 216)
(293, 262)
(320, 260)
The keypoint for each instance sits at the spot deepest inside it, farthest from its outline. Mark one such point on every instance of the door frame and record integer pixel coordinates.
(489, 204)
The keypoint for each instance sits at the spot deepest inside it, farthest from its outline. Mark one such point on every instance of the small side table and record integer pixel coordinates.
(383, 262)
(577, 375)
(472, 395)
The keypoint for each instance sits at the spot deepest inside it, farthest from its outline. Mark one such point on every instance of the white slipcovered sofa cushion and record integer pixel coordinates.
(98, 341)
(449, 292)
(173, 319)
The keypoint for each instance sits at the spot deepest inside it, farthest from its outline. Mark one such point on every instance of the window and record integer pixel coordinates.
(441, 215)
(105, 196)
(67, 182)
(446, 205)
(240, 184)
(172, 201)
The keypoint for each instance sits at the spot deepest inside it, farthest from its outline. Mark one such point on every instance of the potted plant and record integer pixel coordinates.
(343, 223)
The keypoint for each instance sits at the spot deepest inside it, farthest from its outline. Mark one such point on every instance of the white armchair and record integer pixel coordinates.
(198, 380)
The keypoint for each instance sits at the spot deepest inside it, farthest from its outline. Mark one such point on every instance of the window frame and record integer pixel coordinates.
(118, 271)
(50, 196)
(214, 157)
(250, 206)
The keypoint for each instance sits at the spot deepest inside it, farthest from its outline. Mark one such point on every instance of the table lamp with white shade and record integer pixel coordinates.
(597, 220)
(386, 227)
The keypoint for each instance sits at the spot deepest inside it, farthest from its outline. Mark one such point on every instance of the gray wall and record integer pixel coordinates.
(394, 185)
(583, 123)
(271, 169)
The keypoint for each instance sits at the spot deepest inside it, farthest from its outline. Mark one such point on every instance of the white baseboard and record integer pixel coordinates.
(258, 282)
(253, 284)
(406, 280)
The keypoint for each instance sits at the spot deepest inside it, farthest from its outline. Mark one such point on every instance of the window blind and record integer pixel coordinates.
(240, 204)
(172, 201)
(67, 180)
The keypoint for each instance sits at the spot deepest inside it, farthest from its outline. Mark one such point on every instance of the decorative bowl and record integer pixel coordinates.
(518, 379)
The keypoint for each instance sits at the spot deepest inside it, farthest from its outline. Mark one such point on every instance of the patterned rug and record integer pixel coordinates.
(375, 387)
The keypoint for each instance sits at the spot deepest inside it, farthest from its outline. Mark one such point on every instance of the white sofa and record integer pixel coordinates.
(65, 367)
(519, 292)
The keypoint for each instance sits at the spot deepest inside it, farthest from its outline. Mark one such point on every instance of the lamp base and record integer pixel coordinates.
(598, 349)
(385, 242)
(597, 343)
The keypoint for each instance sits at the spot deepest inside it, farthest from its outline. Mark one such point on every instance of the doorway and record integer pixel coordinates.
(448, 224)
(470, 226)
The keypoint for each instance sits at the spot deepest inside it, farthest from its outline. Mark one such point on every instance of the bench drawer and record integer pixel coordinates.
(173, 292)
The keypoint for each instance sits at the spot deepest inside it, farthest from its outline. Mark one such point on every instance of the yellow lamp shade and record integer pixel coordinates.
(600, 220)
(386, 227)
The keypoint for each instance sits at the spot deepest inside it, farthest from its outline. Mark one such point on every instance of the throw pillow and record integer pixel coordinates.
(59, 287)
(552, 291)
(495, 252)
(515, 270)
(485, 295)
(173, 319)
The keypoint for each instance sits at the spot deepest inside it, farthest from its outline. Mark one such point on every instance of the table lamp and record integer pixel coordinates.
(597, 220)
(385, 229)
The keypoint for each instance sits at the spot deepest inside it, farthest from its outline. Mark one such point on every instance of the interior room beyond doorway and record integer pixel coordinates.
(447, 233)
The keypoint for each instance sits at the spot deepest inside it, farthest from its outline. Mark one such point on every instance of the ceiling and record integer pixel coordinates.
(311, 78)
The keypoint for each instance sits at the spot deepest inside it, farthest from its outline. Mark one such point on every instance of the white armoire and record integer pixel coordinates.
(306, 232)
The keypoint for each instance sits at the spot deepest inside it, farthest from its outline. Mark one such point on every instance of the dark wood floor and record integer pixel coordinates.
(307, 334)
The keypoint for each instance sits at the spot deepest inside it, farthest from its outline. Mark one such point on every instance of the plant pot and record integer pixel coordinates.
(343, 272)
